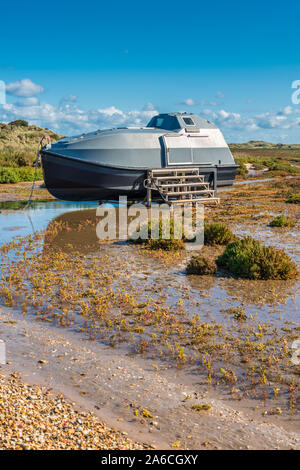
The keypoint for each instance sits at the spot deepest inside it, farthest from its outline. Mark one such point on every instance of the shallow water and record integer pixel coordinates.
(17, 220)
(239, 183)
(270, 300)
(158, 281)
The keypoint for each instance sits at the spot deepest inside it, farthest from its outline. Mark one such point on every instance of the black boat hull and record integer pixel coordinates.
(76, 180)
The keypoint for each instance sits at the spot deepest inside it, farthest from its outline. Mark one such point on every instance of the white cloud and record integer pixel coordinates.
(32, 101)
(149, 107)
(288, 110)
(69, 118)
(283, 119)
(220, 95)
(111, 111)
(24, 88)
(70, 98)
(189, 102)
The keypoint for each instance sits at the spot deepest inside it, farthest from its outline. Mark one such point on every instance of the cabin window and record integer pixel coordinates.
(188, 121)
(159, 122)
(169, 123)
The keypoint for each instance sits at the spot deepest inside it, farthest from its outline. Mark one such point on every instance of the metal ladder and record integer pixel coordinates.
(181, 185)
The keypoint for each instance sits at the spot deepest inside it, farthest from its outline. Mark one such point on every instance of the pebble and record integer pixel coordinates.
(33, 419)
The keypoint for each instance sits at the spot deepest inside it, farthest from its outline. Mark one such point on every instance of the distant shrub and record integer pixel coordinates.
(16, 175)
(258, 165)
(217, 234)
(19, 122)
(293, 199)
(249, 259)
(55, 137)
(21, 159)
(278, 166)
(199, 264)
(15, 158)
(242, 170)
(281, 221)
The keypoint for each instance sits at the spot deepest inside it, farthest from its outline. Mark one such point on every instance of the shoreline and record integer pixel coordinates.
(117, 389)
(20, 192)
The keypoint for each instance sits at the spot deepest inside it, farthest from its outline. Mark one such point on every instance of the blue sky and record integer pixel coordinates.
(75, 67)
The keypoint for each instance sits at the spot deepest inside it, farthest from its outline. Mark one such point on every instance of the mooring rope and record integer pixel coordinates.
(48, 140)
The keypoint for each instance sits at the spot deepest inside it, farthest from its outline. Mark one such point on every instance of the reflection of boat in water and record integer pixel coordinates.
(73, 231)
(76, 231)
(108, 163)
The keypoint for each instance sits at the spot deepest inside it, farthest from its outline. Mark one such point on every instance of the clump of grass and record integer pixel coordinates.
(146, 413)
(293, 199)
(281, 221)
(204, 407)
(238, 313)
(249, 259)
(199, 264)
(218, 234)
(228, 375)
(162, 242)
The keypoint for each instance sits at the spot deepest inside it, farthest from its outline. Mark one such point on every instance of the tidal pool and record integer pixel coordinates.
(143, 302)
(15, 219)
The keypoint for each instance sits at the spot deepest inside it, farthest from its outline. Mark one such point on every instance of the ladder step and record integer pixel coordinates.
(174, 170)
(181, 185)
(203, 200)
(163, 178)
(179, 193)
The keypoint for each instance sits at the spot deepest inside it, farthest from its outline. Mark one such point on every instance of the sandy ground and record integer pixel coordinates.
(152, 405)
(21, 191)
